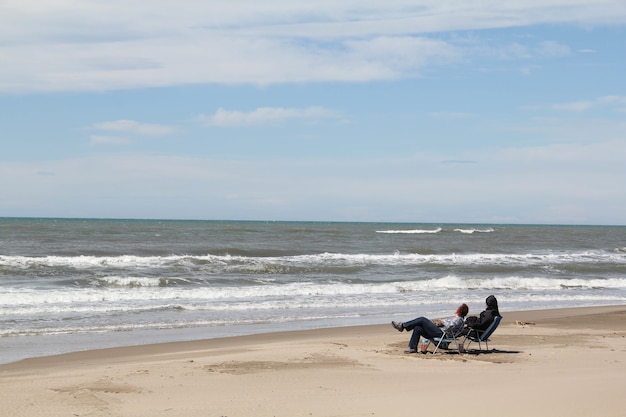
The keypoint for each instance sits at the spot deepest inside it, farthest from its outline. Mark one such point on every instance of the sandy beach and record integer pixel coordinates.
(567, 362)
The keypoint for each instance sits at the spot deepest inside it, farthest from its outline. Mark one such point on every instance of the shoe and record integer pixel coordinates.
(398, 326)
(410, 351)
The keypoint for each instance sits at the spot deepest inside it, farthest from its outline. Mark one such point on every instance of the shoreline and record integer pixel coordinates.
(545, 315)
(563, 361)
(186, 336)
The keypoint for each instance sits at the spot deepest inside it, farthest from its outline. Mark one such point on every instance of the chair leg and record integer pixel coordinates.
(437, 346)
(469, 343)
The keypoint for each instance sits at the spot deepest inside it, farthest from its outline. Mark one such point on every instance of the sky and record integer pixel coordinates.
(427, 111)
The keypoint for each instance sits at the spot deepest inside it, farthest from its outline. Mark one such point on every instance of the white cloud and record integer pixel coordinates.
(450, 115)
(94, 45)
(617, 100)
(605, 154)
(552, 49)
(107, 140)
(575, 106)
(616, 103)
(265, 115)
(132, 127)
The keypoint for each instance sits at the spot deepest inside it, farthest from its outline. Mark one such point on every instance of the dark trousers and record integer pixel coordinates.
(421, 326)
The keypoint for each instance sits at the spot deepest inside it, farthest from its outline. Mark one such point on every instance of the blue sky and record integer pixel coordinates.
(402, 111)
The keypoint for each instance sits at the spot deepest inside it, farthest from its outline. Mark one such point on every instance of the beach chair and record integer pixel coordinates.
(447, 338)
(480, 336)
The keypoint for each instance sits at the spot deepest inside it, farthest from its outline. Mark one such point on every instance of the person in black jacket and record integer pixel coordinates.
(486, 317)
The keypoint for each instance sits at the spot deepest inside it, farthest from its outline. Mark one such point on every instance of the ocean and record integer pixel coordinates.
(75, 284)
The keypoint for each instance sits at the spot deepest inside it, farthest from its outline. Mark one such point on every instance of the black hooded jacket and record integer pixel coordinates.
(486, 317)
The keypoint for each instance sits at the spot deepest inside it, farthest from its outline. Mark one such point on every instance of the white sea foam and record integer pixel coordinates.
(117, 281)
(30, 301)
(138, 263)
(472, 230)
(412, 231)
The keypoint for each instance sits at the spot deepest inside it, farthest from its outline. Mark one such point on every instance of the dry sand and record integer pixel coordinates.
(570, 362)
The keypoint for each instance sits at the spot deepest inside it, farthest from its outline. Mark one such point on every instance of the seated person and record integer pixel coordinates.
(486, 317)
(429, 329)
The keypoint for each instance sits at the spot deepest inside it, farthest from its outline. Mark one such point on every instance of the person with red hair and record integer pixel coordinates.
(429, 329)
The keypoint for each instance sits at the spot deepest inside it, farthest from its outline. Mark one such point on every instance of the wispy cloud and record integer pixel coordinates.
(124, 132)
(107, 140)
(265, 115)
(616, 103)
(449, 115)
(552, 49)
(63, 46)
(458, 161)
(613, 100)
(575, 106)
(135, 128)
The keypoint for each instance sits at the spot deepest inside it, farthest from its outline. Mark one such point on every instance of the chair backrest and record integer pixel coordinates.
(453, 333)
(492, 327)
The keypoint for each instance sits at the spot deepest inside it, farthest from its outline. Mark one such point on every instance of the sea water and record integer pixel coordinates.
(73, 284)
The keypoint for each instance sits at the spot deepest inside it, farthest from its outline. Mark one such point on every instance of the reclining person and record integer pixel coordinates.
(485, 318)
(429, 329)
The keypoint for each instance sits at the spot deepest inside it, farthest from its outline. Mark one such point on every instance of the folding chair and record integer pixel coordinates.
(479, 336)
(447, 338)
